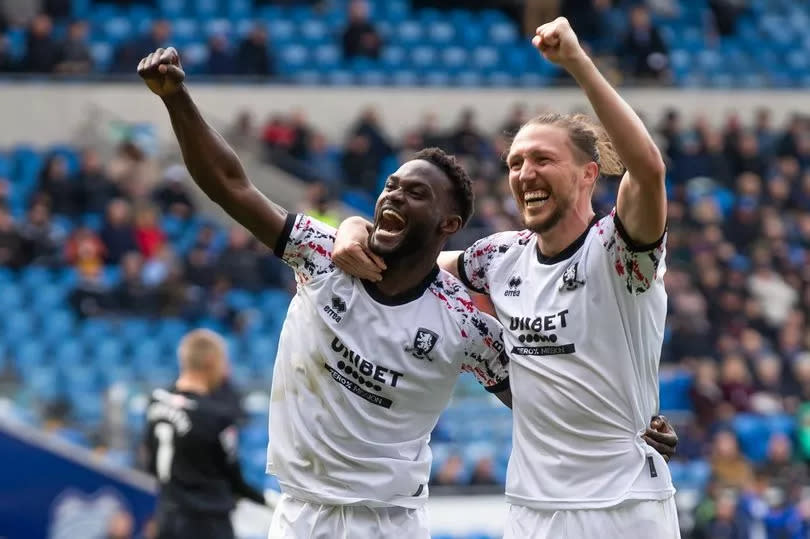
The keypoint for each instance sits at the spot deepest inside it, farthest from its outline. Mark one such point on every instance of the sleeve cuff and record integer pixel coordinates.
(503, 385)
(633, 245)
(284, 237)
(462, 274)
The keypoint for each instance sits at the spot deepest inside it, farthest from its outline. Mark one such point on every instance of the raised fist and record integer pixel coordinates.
(162, 72)
(558, 43)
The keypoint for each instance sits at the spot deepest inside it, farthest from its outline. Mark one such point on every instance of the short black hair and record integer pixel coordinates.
(462, 185)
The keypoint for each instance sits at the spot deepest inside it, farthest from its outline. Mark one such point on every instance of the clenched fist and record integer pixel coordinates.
(558, 43)
(162, 72)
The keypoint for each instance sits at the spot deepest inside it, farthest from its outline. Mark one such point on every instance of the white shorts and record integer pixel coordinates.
(297, 519)
(630, 520)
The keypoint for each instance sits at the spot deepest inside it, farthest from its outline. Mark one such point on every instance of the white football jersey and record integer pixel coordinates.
(583, 331)
(360, 379)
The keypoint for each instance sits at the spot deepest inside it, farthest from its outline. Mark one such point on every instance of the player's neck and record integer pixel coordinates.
(405, 274)
(553, 242)
(191, 384)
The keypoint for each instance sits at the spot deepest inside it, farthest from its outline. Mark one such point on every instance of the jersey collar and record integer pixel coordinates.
(569, 251)
(405, 297)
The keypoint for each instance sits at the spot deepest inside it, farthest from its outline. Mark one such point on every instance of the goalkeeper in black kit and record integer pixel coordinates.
(191, 446)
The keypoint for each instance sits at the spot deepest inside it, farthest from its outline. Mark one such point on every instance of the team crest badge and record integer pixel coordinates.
(571, 279)
(423, 343)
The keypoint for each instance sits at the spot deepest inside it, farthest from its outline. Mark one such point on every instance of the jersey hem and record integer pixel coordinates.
(462, 274)
(284, 237)
(305, 495)
(556, 505)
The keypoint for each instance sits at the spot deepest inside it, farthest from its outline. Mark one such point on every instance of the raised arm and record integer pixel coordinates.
(642, 202)
(353, 255)
(210, 160)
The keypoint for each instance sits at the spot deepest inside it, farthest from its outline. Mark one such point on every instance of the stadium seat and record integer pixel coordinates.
(752, 433)
(117, 29)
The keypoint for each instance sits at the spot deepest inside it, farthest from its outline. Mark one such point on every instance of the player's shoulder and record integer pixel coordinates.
(455, 300)
(501, 242)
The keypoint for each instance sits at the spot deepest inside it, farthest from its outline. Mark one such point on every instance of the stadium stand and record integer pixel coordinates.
(81, 236)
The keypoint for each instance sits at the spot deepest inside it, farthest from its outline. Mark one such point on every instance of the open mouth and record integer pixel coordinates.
(391, 222)
(535, 199)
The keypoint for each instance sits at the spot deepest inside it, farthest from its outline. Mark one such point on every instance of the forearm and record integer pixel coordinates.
(448, 261)
(210, 160)
(241, 489)
(627, 132)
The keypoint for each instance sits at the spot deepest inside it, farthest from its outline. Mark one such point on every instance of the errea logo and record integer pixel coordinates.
(513, 286)
(336, 309)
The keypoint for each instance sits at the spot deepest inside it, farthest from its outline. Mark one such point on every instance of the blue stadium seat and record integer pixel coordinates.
(206, 9)
(327, 56)
(27, 162)
(485, 57)
(752, 432)
(441, 33)
(102, 53)
(11, 297)
(503, 33)
(68, 352)
(454, 58)
(195, 57)
(410, 33)
(117, 29)
(314, 31)
(468, 78)
(394, 56)
(423, 56)
(408, 77)
(173, 8)
(5, 166)
(43, 383)
(293, 57)
(500, 79)
(239, 8)
(218, 27)
(281, 31)
(372, 77)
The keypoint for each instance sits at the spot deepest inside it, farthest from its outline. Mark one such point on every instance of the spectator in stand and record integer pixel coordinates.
(706, 394)
(148, 235)
(85, 251)
(360, 38)
(643, 51)
(301, 134)
(11, 245)
(254, 56)
(239, 261)
(451, 471)
(95, 189)
(317, 204)
(130, 53)
(735, 381)
(7, 63)
(75, 55)
(467, 139)
(220, 58)
(242, 135)
(133, 171)
(359, 165)
(200, 267)
(277, 135)
(55, 182)
(323, 163)
(172, 197)
(118, 233)
(132, 296)
(729, 466)
(91, 296)
(783, 470)
(431, 135)
(726, 13)
(40, 238)
(483, 472)
(723, 520)
(42, 52)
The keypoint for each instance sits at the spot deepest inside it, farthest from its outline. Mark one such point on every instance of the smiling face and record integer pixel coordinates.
(415, 211)
(547, 175)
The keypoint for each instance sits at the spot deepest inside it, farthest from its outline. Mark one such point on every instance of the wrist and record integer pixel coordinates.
(178, 95)
(579, 65)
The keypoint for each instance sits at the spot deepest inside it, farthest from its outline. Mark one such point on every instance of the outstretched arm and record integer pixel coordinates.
(642, 202)
(211, 162)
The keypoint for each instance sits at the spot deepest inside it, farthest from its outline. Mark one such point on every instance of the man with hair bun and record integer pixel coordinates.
(583, 304)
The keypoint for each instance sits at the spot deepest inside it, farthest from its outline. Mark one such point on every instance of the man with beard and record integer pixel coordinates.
(582, 299)
(363, 369)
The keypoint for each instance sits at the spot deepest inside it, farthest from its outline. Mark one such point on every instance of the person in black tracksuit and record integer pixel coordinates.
(191, 446)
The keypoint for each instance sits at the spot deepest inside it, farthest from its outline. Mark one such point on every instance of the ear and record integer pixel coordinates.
(591, 174)
(451, 224)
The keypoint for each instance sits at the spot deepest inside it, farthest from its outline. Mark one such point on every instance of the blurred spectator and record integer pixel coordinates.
(483, 472)
(95, 189)
(278, 134)
(91, 296)
(317, 204)
(220, 59)
(451, 471)
(643, 51)
(56, 422)
(770, 389)
(117, 233)
(254, 56)
(75, 55)
(121, 526)
(301, 133)
(241, 135)
(722, 519)
(156, 270)
(725, 14)
(148, 235)
(430, 133)
(130, 53)
(729, 466)
(323, 163)
(780, 467)
(11, 245)
(466, 139)
(132, 296)
(359, 165)
(775, 296)
(200, 267)
(735, 381)
(42, 52)
(55, 182)
(85, 251)
(212, 303)
(705, 393)
(58, 9)
(360, 38)
(586, 19)
(40, 237)
(133, 171)
(239, 262)
(172, 197)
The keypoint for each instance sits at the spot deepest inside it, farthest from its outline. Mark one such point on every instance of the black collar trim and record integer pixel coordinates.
(405, 297)
(569, 251)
